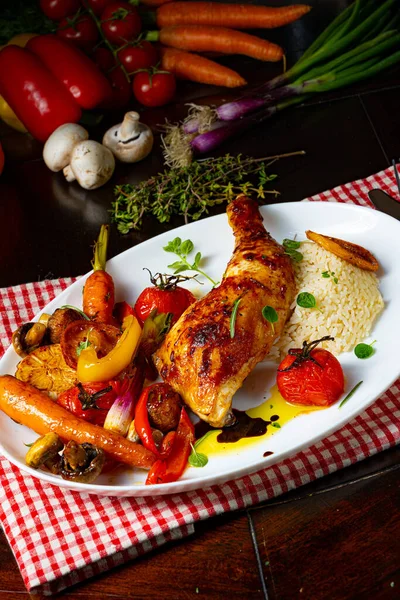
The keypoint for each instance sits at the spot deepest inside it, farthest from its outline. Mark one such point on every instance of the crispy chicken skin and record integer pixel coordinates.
(198, 357)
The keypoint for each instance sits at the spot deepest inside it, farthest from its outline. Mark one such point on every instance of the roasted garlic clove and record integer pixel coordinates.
(352, 253)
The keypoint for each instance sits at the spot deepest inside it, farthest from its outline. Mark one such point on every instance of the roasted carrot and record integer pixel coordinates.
(29, 406)
(185, 65)
(98, 293)
(218, 39)
(235, 16)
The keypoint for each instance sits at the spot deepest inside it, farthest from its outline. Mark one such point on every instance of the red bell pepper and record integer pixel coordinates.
(82, 78)
(40, 101)
(166, 470)
(142, 423)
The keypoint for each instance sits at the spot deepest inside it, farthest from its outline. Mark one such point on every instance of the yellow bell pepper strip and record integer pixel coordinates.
(91, 368)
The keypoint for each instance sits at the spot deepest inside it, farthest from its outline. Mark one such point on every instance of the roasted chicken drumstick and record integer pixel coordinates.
(199, 357)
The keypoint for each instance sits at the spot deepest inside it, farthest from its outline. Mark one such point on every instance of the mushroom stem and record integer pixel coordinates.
(130, 126)
(69, 175)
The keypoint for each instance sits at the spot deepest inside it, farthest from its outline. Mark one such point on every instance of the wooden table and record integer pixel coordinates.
(335, 539)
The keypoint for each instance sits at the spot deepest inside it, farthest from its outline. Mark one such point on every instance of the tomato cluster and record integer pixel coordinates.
(128, 61)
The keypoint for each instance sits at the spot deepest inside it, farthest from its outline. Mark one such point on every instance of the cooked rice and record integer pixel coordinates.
(345, 310)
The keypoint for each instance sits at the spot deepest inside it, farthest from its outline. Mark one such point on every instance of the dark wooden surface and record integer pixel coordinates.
(337, 538)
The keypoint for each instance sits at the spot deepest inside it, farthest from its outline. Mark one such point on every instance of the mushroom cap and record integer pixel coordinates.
(92, 164)
(58, 148)
(131, 140)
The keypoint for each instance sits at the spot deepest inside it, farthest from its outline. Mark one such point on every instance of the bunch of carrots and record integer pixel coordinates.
(187, 27)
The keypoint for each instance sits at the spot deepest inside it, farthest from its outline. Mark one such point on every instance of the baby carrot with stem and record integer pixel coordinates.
(234, 16)
(185, 65)
(98, 293)
(216, 39)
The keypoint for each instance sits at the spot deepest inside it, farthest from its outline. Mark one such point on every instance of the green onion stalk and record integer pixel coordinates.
(360, 43)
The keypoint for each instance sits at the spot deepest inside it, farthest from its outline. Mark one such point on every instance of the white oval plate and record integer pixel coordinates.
(213, 238)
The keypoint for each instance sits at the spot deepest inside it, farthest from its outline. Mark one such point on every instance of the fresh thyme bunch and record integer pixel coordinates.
(190, 191)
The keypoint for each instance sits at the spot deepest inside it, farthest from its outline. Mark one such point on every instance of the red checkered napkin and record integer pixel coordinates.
(60, 538)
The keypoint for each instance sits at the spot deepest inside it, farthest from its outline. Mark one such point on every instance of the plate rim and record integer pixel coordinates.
(185, 485)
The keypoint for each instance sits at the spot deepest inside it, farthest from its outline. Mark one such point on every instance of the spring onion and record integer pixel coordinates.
(360, 43)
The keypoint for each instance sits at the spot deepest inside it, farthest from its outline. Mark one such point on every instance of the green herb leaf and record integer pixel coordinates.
(290, 244)
(233, 317)
(270, 315)
(182, 249)
(326, 274)
(294, 255)
(82, 346)
(350, 394)
(306, 300)
(197, 459)
(364, 350)
(275, 424)
(29, 445)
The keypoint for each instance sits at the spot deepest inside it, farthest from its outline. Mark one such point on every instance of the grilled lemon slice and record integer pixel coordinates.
(354, 254)
(46, 369)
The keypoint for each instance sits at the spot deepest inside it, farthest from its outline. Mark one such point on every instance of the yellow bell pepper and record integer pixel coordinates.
(6, 112)
(91, 368)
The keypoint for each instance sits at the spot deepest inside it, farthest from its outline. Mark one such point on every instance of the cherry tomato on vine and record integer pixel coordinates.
(120, 23)
(59, 9)
(310, 376)
(82, 31)
(121, 89)
(154, 89)
(98, 6)
(140, 56)
(104, 59)
(90, 401)
(165, 296)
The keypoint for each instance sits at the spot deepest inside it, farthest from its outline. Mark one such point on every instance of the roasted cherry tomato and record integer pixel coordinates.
(59, 9)
(154, 89)
(80, 334)
(165, 296)
(310, 376)
(122, 310)
(120, 22)
(98, 6)
(140, 56)
(90, 401)
(82, 31)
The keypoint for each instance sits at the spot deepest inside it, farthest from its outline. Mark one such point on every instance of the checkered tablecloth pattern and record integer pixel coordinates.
(60, 538)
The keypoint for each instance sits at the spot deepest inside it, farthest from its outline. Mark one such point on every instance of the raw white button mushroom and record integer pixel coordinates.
(130, 141)
(59, 146)
(92, 165)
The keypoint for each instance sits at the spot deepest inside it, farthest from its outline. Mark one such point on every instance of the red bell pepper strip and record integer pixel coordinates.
(171, 468)
(82, 78)
(142, 423)
(40, 101)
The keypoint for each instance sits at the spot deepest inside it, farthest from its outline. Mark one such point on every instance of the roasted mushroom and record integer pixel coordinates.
(28, 338)
(59, 321)
(45, 451)
(81, 462)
